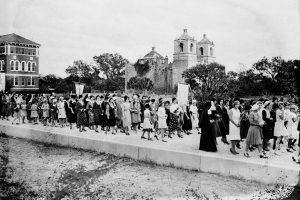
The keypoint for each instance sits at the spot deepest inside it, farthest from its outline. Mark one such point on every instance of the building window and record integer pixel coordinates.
(16, 65)
(29, 66)
(23, 66)
(33, 67)
(29, 51)
(32, 81)
(1, 65)
(181, 47)
(16, 81)
(2, 50)
(201, 51)
(23, 50)
(11, 49)
(23, 81)
(12, 65)
(17, 50)
(211, 51)
(29, 81)
(33, 51)
(191, 47)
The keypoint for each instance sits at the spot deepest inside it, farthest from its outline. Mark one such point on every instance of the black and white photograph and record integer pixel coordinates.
(149, 100)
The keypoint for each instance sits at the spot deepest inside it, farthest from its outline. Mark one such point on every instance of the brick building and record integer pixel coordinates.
(19, 62)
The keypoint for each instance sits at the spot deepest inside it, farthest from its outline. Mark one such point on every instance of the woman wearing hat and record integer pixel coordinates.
(255, 136)
(81, 115)
(268, 127)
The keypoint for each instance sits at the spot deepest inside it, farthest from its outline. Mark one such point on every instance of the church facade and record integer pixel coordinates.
(164, 75)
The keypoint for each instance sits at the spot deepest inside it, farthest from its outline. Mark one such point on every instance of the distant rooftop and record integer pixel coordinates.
(14, 38)
(185, 36)
(153, 54)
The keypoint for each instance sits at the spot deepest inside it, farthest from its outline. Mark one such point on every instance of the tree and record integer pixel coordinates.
(142, 67)
(111, 65)
(207, 81)
(81, 71)
(49, 82)
(269, 67)
(140, 83)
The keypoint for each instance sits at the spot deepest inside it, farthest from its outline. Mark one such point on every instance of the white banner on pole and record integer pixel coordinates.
(79, 88)
(183, 94)
(2, 81)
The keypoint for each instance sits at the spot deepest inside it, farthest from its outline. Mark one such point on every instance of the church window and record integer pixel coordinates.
(211, 51)
(33, 67)
(23, 82)
(1, 65)
(191, 47)
(16, 81)
(181, 47)
(201, 51)
(29, 81)
(12, 65)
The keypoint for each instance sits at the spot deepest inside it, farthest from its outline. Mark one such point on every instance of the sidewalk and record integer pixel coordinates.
(177, 152)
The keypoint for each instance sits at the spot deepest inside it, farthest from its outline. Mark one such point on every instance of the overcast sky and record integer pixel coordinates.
(243, 30)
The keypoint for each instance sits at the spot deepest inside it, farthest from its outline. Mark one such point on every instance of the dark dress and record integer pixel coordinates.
(112, 116)
(215, 125)
(268, 128)
(207, 139)
(97, 114)
(223, 121)
(81, 115)
(168, 116)
(53, 111)
(187, 123)
(244, 124)
(70, 112)
(272, 124)
(104, 117)
(90, 113)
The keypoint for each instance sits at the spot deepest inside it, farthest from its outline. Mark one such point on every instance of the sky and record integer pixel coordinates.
(243, 30)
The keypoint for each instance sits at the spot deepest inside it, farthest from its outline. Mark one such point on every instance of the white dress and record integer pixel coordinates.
(234, 131)
(147, 124)
(280, 129)
(162, 118)
(61, 110)
(292, 126)
(195, 120)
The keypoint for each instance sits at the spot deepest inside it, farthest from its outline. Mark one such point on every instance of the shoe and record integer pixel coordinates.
(238, 146)
(233, 152)
(143, 137)
(170, 136)
(164, 140)
(289, 150)
(263, 156)
(156, 137)
(266, 149)
(150, 139)
(246, 155)
(224, 141)
(84, 129)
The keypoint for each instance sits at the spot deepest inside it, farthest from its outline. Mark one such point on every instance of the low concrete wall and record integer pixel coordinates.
(202, 161)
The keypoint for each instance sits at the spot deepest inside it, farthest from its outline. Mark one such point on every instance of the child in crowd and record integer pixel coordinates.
(147, 124)
(45, 110)
(23, 111)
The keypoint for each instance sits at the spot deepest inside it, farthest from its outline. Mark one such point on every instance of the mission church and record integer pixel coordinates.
(164, 75)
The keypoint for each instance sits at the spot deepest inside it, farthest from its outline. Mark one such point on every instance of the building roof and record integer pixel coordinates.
(205, 40)
(153, 54)
(14, 38)
(185, 36)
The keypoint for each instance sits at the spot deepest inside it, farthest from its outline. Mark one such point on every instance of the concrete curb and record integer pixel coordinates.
(202, 161)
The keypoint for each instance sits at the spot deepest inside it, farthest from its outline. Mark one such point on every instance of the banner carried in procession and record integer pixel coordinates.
(79, 88)
(2, 81)
(183, 94)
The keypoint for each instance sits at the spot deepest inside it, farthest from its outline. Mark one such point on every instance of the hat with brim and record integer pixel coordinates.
(255, 107)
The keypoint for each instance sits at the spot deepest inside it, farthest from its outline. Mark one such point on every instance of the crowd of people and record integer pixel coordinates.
(254, 122)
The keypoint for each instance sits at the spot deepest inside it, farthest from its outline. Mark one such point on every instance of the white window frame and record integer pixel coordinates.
(22, 66)
(32, 81)
(23, 79)
(34, 66)
(2, 63)
(16, 78)
(28, 66)
(12, 65)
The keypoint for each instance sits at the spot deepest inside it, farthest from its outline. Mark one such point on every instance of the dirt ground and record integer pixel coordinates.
(31, 170)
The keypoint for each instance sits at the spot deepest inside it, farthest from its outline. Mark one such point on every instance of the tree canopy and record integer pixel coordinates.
(140, 83)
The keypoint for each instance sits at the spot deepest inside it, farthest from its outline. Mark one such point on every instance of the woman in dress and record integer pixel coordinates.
(245, 121)
(45, 112)
(268, 126)
(162, 120)
(53, 112)
(111, 116)
(223, 120)
(174, 118)
(34, 113)
(147, 124)
(17, 112)
(292, 127)
(234, 126)
(126, 117)
(90, 112)
(97, 113)
(254, 136)
(61, 112)
(187, 122)
(280, 129)
(194, 116)
(81, 116)
(23, 111)
(135, 113)
(70, 111)
(207, 139)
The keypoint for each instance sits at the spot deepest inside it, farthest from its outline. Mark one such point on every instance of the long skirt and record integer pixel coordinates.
(174, 124)
(244, 128)
(255, 136)
(81, 119)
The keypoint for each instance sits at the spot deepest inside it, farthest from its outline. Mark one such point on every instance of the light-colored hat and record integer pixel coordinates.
(255, 107)
(266, 103)
(194, 101)
(294, 107)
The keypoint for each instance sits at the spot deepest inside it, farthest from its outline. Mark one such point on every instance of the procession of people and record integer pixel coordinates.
(256, 123)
